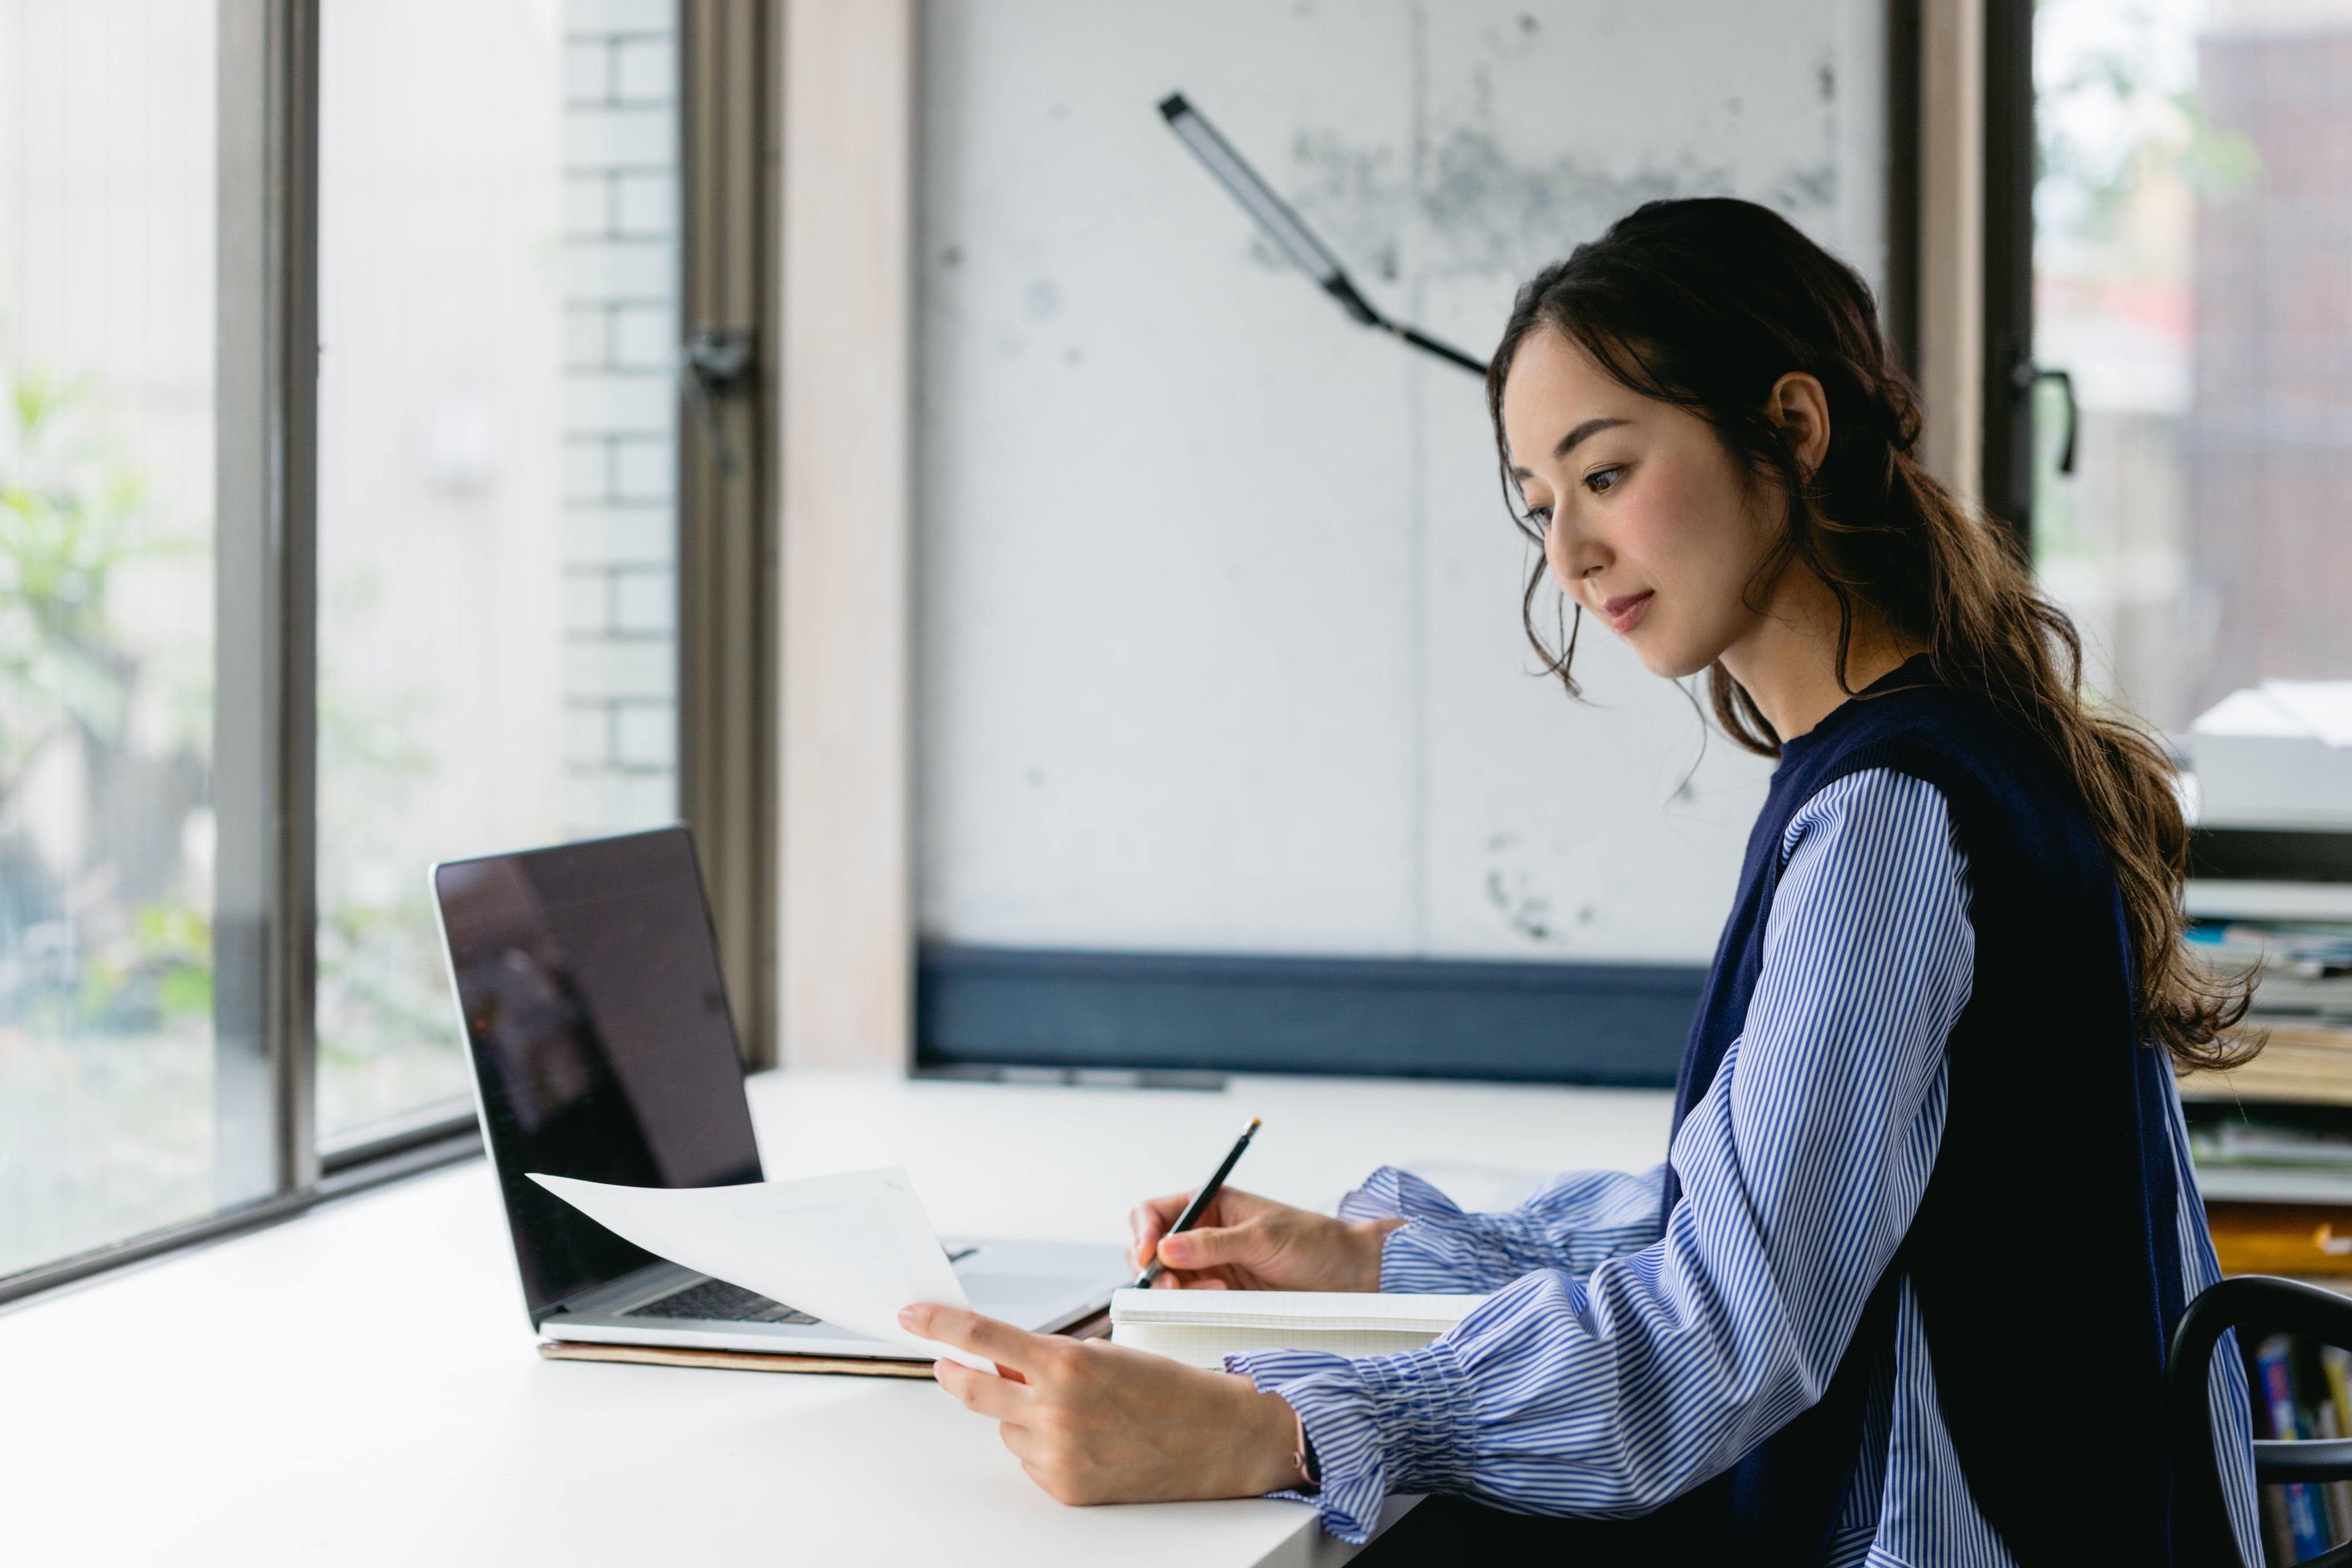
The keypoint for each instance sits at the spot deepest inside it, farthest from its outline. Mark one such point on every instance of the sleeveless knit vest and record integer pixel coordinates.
(2044, 1253)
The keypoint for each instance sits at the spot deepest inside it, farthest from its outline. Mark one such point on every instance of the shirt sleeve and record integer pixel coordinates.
(1574, 1223)
(1802, 1167)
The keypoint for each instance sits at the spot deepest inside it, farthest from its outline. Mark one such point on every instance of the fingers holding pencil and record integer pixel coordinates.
(1202, 1202)
(1253, 1243)
(1199, 1258)
(1153, 1218)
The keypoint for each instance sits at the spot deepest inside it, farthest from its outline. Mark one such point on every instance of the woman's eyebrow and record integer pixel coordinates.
(1590, 427)
(1567, 442)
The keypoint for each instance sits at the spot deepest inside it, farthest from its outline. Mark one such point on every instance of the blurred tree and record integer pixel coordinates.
(98, 924)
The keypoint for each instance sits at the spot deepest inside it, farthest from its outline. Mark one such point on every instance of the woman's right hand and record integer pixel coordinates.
(1244, 1242)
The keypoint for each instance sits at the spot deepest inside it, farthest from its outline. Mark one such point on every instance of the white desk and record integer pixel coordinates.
(359, 1386)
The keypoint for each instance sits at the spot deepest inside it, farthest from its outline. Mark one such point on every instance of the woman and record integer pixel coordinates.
(1902, 1290)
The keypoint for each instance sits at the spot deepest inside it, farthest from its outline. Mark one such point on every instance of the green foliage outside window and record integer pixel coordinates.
(97, 926)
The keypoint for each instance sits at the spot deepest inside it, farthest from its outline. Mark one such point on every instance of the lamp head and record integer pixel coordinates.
(1280, 223)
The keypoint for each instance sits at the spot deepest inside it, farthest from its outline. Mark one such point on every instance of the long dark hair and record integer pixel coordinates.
(1706, 304)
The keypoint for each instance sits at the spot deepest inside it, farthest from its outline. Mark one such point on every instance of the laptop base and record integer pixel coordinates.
(730, 1361)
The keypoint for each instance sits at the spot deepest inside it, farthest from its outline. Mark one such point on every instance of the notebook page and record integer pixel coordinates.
(1316, 1309)
(1208, 1345)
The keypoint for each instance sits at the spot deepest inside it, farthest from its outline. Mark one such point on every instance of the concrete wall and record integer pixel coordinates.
(1218, 606)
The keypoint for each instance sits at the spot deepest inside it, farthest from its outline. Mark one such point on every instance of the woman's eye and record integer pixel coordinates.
(1540, 516)
(1600, 479)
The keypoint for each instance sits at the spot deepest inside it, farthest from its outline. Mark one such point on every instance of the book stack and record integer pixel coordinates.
(2303, 1002)
(2303, 1391)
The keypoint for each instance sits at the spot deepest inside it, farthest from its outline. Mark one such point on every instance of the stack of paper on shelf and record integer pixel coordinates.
(2303, 1002)
(2277, 754)
(2301, 1065)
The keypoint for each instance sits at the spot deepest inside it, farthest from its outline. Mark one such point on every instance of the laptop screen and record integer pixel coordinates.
(588, 978)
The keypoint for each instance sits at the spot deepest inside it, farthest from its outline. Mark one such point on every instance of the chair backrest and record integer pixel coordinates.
(2280, 1306)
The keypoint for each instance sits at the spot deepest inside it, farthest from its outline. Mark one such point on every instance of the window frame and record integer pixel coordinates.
(727, 565)
(2009, 369)
(1960, 297)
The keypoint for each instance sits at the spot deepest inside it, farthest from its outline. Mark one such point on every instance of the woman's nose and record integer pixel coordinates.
(1571, 559)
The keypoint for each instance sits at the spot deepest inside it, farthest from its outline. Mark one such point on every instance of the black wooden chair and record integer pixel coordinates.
(2281, 1307)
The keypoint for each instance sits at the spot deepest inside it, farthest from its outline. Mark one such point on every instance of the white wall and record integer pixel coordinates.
(1217, 603)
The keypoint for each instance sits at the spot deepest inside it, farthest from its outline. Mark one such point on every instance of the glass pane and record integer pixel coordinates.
(2194, 275)
(106, 611)
(2193, 249)
(496, 552)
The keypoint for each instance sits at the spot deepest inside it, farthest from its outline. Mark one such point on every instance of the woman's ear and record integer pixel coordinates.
(1800, 410)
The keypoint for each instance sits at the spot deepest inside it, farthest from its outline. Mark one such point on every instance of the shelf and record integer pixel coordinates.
(2270, 852)
(2214, 900)
(2273, 1184)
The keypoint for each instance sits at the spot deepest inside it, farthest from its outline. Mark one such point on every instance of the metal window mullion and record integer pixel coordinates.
(2008, 383)
(727, 550)
(266, 687)
(1899, 300)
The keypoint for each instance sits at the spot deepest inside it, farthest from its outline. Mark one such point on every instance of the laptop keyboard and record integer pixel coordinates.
(715, 1300)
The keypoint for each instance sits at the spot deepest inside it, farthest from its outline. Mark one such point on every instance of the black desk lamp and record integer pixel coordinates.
(1282, 225)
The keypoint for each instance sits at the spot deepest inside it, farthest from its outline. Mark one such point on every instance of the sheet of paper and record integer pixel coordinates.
(851, 1248)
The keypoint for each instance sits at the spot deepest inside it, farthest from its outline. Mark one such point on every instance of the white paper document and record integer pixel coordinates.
(851, 1250)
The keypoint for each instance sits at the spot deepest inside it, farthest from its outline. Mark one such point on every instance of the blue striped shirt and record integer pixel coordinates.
(1616, 1368)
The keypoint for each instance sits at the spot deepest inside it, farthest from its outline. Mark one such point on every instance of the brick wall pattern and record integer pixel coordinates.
(620, 271)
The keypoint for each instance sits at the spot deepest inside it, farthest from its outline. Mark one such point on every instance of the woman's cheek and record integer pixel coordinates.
(1674, 536)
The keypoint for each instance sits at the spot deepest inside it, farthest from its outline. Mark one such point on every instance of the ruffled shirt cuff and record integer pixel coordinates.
(1382, 1425)
(1440, 1248)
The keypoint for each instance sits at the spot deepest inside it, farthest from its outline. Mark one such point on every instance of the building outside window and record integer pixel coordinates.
(2194, 233)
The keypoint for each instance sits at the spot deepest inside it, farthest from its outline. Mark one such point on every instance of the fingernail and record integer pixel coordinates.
(907, 1316)
(1175, 1248)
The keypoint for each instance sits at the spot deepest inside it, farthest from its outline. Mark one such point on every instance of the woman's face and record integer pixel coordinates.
(1646, 521)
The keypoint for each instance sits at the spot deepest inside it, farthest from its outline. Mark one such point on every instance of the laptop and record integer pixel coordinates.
(590, 997)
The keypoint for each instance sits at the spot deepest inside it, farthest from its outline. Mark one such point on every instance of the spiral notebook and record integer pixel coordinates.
(1201, 1328)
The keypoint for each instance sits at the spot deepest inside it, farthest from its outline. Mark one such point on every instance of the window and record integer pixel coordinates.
(2193, 236)
(345, 521)
(2193, 243)
(2193, 275)
(108, 1120)
(498, 275)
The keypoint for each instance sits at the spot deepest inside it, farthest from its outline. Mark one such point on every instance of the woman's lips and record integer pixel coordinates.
(1627, 611)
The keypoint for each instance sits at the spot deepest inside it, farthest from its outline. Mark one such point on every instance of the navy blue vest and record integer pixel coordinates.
(2045, 1253)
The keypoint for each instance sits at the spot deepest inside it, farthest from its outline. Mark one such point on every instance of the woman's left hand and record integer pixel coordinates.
(1094, 1422)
